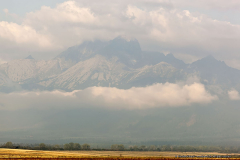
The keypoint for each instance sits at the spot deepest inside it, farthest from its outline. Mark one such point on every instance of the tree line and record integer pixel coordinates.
(179, 148)
(121, 147)
(43, 146)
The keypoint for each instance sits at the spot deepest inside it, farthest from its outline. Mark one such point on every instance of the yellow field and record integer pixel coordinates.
(21, 153)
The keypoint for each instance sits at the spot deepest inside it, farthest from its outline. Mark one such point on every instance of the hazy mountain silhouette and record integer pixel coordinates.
(119, 63)
(29, 57)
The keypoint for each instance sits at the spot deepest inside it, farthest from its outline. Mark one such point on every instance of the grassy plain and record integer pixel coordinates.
(22, 153)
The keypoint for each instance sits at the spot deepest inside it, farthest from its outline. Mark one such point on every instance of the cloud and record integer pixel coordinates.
(22, 34)
(159, 25)
(157, 95)
(2, 61)
(5, 11)
(64, 12)
(192, 120)
(234, 94)
(209, 4)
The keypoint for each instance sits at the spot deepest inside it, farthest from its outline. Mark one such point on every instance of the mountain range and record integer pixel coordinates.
(117, 63)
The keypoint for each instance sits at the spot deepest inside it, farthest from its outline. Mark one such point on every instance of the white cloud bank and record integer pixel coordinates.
(234, 94)
(157, 95)
(209, 4)
(158, 24)
(2, 61)
(22, 34)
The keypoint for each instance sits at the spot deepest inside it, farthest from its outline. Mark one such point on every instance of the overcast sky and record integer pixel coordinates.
(190, 29)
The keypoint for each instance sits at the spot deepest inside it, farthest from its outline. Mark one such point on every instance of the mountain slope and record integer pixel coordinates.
(127, 51)
(100, 71)
(6, 84)
(159, 73)
(94, 71)
(118, 63)
(28, 72)
(214, 72)
(82, 52)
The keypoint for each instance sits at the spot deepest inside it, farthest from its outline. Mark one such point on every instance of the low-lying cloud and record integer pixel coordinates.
(154, 96)
(234, 94)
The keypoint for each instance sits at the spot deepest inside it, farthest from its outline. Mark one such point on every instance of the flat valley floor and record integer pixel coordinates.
(22, 153)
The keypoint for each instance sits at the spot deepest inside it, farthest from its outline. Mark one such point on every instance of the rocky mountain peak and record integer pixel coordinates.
(122, 43)
(29, 57)
(209, 62)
